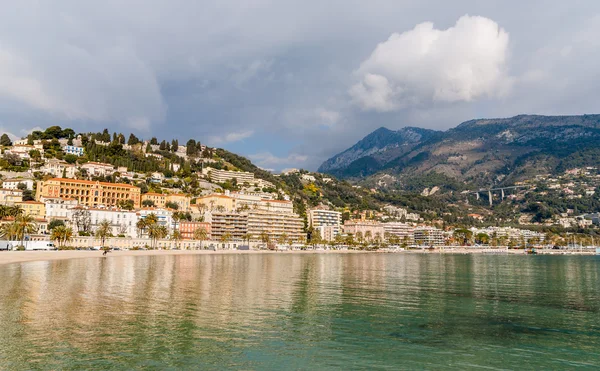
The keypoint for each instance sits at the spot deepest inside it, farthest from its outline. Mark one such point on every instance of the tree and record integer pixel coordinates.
(190, 149)
(148, 203)
(5, 140)
(176, 236)
(148, 148)
(226, 237)
(62, 234)
(315, 237)
(163, 146)
(153, 141)
(82, 219)
(172, 205)
(25, 225)
(103, 231)
(125, 204)
(71, 159)
(174, 145)
(201, 235)
(133, 140)
(156, 232)
(55, 223)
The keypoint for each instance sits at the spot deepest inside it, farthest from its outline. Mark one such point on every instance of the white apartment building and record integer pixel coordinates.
(327, 222)
(98, 168)
(221, 176)
(59, 169)
(164, 216)
(73, 150)
(58, 208)
(122, 221)
(403, 231)
(14, 183)
(428, 236)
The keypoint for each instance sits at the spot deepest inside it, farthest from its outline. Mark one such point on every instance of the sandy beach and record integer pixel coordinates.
(7, 257)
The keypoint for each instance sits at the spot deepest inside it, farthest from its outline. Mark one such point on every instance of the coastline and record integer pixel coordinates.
(9, 257)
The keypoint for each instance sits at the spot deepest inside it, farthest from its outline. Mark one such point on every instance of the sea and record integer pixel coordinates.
(371, 311)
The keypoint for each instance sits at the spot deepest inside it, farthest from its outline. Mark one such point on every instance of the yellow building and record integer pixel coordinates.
(34, 208)
(10, 196)
(180, 199)
(216, 202)
(89, 193)
(158, 199)
(161, 200)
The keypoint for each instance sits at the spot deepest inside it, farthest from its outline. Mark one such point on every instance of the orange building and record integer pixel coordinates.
(89, 193)
(187, 229)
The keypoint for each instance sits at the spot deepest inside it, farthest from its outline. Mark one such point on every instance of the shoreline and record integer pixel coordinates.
(9, 257)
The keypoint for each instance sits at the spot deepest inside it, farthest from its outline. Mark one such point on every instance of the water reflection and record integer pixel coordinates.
(299, 311)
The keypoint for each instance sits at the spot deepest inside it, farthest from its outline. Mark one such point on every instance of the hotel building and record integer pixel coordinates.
(187, 229)
(89, 193)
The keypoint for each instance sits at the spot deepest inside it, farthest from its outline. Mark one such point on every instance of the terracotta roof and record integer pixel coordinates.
(123, 185)
(30, 202)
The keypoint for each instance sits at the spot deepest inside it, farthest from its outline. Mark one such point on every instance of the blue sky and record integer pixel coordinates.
(289, 83)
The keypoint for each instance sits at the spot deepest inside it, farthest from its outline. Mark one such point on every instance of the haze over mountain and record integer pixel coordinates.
(479, 152)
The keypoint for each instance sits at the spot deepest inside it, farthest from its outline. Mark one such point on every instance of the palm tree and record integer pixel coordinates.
(201, 235)
(25, 225)
(156, 232)
(246, 237)
(9, 230)
(141, 226)
(176, 236)
(61, 234)
(104, 231)
(15, 211)
(225, 238)
(282, 239)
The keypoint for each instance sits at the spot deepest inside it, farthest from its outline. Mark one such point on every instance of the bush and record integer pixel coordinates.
(20, 248)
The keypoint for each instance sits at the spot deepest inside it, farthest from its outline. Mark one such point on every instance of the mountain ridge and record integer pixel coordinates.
(480, 152)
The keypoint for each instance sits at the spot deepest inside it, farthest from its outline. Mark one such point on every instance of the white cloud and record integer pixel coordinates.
(231, 137)
(461, 63)
(267, 160)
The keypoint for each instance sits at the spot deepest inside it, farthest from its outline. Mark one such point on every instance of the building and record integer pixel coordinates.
(59, 169)
(428, 236)
(365, 229)
(22, 151)
(327, 222)
(217, 202)
(158, 199)
(221, 176)
(402, 232)
(328, 232)
(9, 197)
(33, 208)
(232, 225)
(164, 216)
(275, 224)
(73, 150)
(187, 229)
(89, 193)
(182, 201)
(122, 222)
(98, 169)
(14, 183)
(58, 208)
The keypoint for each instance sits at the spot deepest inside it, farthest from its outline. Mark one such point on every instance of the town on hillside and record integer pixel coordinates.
(91, 190)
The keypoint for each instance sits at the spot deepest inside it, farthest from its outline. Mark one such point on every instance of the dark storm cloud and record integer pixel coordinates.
(289, 83)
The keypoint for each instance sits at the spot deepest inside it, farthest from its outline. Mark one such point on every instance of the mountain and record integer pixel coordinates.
(480, 152)
(375, 150)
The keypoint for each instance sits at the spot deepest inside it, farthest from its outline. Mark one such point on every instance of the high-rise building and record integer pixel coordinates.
(275, 224)
(327, 222)
(89, 193)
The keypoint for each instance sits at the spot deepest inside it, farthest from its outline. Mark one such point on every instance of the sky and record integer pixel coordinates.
(289, 83)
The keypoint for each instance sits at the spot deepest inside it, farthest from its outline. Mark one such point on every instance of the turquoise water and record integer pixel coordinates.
(302, 311)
